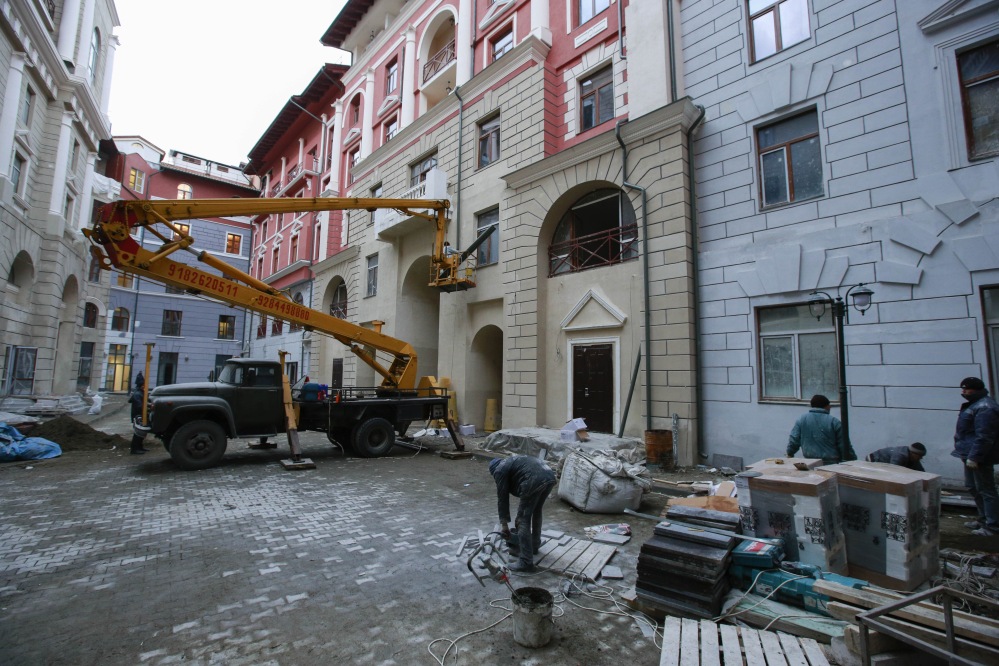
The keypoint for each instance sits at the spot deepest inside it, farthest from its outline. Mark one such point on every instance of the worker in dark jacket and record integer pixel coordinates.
(529, 479)
(903, 456)
(975, 444)
(135, 400)
(820, 435)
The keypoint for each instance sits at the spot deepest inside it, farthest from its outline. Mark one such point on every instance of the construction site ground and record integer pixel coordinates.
(109, 558)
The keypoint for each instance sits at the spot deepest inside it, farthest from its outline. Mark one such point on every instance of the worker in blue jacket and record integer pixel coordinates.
(820, 435)
(975, 444)
(529, 479)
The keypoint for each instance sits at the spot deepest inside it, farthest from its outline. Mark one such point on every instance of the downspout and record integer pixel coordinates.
(645, 275)
(672, 64)
(620, 32)
(457, 185)
(698, 394)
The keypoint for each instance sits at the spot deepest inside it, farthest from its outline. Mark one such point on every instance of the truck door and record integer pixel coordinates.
(259, 407)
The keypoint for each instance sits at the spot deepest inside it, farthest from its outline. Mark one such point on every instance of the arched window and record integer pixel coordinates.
(90, 316)
(338, 306)
(184, 191)
(599, 229)
(95, 270)
(95, 51)
(119, 320)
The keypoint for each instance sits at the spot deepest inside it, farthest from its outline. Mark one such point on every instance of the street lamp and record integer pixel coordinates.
(817, 302)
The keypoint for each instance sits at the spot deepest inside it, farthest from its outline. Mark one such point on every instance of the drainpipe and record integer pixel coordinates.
(672, 64)
(457, 186)
(698, 397)
(620, 31)
(645, 274)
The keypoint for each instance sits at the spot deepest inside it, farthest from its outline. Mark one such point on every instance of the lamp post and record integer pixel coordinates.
(817, 302)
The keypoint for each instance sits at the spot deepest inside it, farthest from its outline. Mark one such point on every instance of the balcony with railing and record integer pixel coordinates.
(310, 166)
(391, 223)
(603, 248)
(439, 61)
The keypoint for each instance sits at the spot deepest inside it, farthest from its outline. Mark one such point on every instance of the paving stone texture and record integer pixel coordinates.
(107, 558)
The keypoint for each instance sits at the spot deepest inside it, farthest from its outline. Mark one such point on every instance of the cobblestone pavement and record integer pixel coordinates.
(109, 559)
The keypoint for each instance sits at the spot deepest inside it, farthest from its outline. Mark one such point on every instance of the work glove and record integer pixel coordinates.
(505, 532)
(971, 464)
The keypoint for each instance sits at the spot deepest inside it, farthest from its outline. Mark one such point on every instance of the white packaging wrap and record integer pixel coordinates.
(595, 483)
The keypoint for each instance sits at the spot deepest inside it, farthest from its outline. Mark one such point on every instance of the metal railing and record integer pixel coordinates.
(439, 61)
(602, 248)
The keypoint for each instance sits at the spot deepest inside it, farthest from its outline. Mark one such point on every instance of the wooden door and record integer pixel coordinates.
(336, 376)
(593, 386)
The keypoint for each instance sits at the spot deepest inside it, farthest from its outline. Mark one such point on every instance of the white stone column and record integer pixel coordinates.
(408, 89)
(323, 145)
(301, 154)
(336, 150)
(86, 196)
(367, 126)
(58, 198)
(113, 45)
(86, 35)
(8, 117)
(67, 29)
(463, 41)
(540, 22)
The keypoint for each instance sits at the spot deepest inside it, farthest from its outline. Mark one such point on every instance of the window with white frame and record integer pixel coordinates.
(489, 141)
(596, 98)
(978, 69)
(391, 77)
(18, 173)
(95, 51)
(185, 191)
(136, 180)
(797, 354)
(27, 105)
(120, 319)
(293, 249)
(488, 252)
(775, 25)
(182, 230)
(353, 157)
(371, 282)
(94, 275)
(233, 243)
(391, 128)
(502, 43)
(790, 160)
(587, 9)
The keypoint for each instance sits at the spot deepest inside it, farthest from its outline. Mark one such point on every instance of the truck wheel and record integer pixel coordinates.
(198, 445)
(374, 438)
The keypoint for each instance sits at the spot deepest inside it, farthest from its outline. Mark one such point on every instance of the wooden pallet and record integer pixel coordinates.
(692, 642)
(574, 557)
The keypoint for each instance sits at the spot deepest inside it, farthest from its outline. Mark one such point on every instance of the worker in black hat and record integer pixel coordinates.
(135, 398)
(975, 444)
(903, 456)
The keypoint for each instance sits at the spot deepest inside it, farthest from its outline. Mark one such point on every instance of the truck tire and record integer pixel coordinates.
(374, 438)
(198, 445)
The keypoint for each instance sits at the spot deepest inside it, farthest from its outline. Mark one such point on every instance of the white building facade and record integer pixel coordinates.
(844, 142)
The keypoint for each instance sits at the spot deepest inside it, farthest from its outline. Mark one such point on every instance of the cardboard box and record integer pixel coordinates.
(713, 502)
(786, 463)
(891, 520)
(799, 507)
(574, 431)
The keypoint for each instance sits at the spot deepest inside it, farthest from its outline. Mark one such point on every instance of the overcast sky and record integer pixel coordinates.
(207, 77)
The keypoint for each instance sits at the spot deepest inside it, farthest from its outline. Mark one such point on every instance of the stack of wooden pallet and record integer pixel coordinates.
(691, 642)
(977, 637)
(683, 569)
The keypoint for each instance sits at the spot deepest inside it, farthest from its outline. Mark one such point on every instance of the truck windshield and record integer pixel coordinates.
(231, 374)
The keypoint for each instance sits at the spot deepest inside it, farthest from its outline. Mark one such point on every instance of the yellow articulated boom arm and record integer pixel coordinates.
(115, 247)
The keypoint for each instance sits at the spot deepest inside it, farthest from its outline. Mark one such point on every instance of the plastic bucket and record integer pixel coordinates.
(532, 616)
(659, 448)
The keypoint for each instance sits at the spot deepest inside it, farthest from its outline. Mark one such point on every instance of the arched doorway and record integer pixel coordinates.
(63, 380)
(484, 364)
(418, 313)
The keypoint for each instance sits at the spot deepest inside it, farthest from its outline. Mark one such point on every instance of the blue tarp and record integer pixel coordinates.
(15, 446)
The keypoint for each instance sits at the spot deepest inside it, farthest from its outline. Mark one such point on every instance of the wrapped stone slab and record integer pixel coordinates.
(891, 519)
(799, 507)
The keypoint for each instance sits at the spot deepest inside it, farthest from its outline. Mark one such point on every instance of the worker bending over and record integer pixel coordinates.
(903, 456)
(529, 479)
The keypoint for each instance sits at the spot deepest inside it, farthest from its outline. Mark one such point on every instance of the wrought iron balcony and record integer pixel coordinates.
(602, 248)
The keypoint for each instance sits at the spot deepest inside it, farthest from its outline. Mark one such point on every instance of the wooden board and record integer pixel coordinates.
(689, 642)
(576, 557)
(964, 625)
